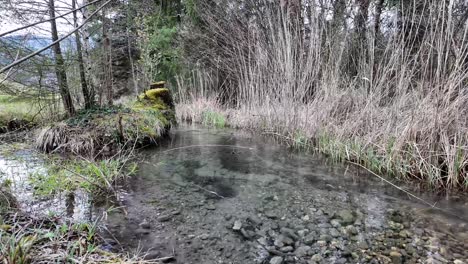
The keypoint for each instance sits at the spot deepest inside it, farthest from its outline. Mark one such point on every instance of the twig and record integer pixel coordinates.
(212, 192)
(213, 146)
(394, 185)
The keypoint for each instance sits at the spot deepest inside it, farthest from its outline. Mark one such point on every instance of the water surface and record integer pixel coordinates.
(223, 196)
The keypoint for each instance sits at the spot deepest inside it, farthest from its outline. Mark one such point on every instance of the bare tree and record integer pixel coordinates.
(89, 102)
(60, 65)
(107, 57)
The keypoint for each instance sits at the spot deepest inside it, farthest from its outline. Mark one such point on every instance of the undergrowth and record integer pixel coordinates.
(51, 240)
(98, 177)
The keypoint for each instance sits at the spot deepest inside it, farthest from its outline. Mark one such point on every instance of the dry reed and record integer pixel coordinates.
(404, 112)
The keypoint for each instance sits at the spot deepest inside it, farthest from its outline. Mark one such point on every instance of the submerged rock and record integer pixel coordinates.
(237, 225)
(346, 216)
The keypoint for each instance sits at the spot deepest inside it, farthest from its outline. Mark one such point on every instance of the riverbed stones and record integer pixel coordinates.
(283, 234)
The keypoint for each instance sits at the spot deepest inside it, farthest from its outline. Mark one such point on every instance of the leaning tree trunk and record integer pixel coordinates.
(60, 65)
(84, 86)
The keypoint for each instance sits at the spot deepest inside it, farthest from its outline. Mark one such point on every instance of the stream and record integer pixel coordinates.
(227, 196)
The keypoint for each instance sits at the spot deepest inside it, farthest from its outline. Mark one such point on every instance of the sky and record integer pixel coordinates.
(64, 25)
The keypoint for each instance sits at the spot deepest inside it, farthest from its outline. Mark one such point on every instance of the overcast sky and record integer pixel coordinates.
(8, 22)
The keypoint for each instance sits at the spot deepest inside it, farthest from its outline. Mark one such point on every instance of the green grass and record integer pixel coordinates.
(25, 109)
(93, 177)
(211, 118)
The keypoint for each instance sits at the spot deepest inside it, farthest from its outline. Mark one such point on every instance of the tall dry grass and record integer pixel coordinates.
(404, 113)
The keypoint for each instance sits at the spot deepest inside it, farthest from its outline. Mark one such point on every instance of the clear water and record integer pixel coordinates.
(204, 180)
(192, 190)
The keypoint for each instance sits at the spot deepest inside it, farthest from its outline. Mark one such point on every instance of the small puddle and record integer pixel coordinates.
(205, 197)
(17, 168)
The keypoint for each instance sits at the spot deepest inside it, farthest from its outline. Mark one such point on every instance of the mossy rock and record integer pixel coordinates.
(159, 98)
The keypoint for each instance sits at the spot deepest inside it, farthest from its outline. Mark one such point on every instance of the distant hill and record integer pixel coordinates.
(34, 42)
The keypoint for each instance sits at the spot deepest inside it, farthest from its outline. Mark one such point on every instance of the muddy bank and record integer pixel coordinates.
(220, 196)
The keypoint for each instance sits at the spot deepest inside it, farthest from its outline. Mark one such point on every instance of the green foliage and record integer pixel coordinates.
(16, 249)
(211, 118)
(161, 48)
(301, 141)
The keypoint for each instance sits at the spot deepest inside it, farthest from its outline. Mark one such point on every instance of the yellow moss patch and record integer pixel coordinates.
(153, 94)
(159, 98)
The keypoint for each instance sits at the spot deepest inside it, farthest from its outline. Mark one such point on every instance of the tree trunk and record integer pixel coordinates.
(84, 86)
(86, 57)
(107, 60)
(378, 14)
(60, 65)
(359, 49)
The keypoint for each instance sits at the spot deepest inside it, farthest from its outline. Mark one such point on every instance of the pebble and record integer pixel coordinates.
(210, 207)
(335, 223)
(204, 236)
(145, 225)
(271, 214)
(346, 216)
(237, 225)
(302, 232)
(396, 257)
(276, 260)
(322, 243)
(302, 251)
(165, 218)
(289, 233)
(286, 249)
(315, 259)
(309, 239)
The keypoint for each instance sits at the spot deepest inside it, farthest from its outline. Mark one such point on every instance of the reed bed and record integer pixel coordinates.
(398, 107)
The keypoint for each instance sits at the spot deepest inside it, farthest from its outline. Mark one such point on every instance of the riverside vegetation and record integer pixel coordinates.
(102, 143)
(388, 94)
(378, 85)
